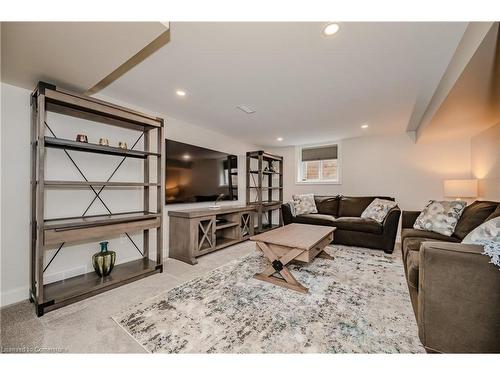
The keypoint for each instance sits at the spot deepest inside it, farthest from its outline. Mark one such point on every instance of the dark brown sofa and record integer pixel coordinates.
(344, 213)
(454, 290)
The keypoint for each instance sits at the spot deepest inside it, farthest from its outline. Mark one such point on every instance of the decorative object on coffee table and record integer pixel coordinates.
(104, 260)
(82, 138)
(300, 242)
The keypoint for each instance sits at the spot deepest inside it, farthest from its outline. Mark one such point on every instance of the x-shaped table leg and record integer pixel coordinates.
(278, 265)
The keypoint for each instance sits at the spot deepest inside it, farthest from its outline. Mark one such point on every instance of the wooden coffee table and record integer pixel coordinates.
(293, 242)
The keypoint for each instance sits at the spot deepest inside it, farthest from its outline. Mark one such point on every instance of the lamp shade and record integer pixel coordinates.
(460, 188)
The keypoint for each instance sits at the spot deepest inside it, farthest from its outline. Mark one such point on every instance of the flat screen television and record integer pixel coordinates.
(197, 174)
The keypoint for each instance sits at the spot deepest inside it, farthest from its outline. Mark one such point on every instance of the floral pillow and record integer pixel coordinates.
(440, 216)
(378, 209)
(488, 235)
(291, 204)
(304, 204)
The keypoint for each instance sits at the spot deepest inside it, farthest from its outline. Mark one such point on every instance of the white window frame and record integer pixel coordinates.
(298, 165)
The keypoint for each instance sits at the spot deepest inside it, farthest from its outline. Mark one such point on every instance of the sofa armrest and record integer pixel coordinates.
(409, 218)
(286, 213)
(390, 229)
(458, 299)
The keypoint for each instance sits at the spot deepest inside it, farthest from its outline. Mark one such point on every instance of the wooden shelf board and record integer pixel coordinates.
(265, 155)
(89, 283)
(66, 103)
(96, 148)
(223, 242)
(226, 225)
(96, 220)
(61, 183)
(266, 187)
(266, 172)
(265, 203)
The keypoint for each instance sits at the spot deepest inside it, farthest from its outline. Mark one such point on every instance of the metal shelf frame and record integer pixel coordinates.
(260, 181)
(55, 233)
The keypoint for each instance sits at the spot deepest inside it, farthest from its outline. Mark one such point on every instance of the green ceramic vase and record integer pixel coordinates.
(104, 260)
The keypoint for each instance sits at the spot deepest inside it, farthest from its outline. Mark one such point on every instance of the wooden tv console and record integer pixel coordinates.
(199, 231)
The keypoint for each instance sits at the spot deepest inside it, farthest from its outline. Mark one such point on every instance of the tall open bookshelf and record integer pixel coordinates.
(47, 234)
(264, 188)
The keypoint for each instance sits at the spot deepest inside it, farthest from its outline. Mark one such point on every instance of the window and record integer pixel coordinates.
(318, 164)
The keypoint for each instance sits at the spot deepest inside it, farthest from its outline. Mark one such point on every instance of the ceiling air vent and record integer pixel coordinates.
(246, 109)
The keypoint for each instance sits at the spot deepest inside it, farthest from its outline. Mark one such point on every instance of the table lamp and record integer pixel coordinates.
(460, 188)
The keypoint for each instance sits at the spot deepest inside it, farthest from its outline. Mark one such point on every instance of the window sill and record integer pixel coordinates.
(318, 183)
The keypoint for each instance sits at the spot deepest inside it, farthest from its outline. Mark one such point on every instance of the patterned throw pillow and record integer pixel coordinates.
(487, 231)
(440, 216)
(304, 204)
(488, 235)
(378, 209)
(291, 204)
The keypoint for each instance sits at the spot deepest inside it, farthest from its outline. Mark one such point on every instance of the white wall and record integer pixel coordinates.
(15, 197)
(388, 165)
(485, 155)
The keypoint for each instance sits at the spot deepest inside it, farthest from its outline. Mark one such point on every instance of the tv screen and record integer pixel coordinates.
(197, 174)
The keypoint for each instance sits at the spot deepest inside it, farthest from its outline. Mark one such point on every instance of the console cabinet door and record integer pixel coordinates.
(204, 235)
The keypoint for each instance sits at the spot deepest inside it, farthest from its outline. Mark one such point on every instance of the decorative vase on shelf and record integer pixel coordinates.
(104, 260)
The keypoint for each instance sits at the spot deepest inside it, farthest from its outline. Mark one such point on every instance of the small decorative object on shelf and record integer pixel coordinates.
(123, 145)
(104, 260)
(82, 138)
(216, 205)
(272, 167)
(104, 142)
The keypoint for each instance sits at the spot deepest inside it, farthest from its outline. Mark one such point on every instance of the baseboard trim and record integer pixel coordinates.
(13, 296)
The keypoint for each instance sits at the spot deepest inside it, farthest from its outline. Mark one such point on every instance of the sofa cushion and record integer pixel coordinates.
(328, 205)
(304, 204)
(411, 239)
(426, 235)
(354, 206)
(440, 216)
(315, 219)
(378, 209)
(358, 224)
(473, 216)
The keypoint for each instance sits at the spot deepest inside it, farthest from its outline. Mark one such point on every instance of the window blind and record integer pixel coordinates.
(320, 153)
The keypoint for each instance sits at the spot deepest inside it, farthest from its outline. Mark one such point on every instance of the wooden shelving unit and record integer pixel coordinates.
(54, 233)
(264, 189)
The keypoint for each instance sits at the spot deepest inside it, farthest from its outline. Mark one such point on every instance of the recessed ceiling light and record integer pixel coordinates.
(279, 139)
(181, 92)
(186, 156)
(364, 126)
(246, 109)
(331, 29)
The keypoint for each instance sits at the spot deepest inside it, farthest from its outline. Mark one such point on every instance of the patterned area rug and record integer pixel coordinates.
(357, 303)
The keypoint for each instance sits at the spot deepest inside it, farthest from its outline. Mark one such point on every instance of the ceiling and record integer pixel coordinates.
(74, 55)
(473, 104)
(305, 87)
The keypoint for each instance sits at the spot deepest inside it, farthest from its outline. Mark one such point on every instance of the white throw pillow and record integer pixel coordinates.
(440, 216)
(378, 209)
(487, 231)
(291, 204)
(488, 235)
(304, 204)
